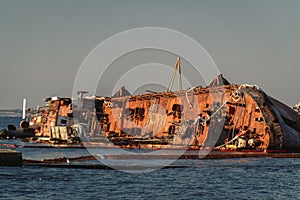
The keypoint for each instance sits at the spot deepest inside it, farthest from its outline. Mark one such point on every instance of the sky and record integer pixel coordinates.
(43, 43)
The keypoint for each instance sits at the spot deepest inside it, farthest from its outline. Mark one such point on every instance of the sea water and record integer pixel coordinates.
(243, 178)
(5, 121)
(246, 178)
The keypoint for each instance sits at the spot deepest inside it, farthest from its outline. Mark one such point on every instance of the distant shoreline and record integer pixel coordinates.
(10, 112)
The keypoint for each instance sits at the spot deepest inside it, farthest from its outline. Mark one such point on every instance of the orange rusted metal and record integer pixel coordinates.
(220, 116)
(57, 112)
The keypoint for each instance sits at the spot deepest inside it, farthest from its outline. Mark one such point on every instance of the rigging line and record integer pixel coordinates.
(179, 74)
(219, 108)
(187, 98)
(175, 69)
(231, 96)
(233, 139)
(241, 109)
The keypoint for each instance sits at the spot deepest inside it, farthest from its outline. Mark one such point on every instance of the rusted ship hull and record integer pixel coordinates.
(218, 117)
(221, 116)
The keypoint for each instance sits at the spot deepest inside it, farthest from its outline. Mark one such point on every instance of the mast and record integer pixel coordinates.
(177, 67)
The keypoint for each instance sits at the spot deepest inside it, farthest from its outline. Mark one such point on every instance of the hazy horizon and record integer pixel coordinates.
(43, 43)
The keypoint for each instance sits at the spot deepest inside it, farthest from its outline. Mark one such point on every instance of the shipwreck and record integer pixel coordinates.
(219, 116)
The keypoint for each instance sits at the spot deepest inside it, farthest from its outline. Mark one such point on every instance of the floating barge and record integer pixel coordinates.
(220, 116)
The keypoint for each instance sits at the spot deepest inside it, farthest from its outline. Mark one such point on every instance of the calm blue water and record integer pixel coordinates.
(247, 178)
(4, 121)
(210, 179)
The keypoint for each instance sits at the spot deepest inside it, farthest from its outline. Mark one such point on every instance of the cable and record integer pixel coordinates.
(187, 98)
